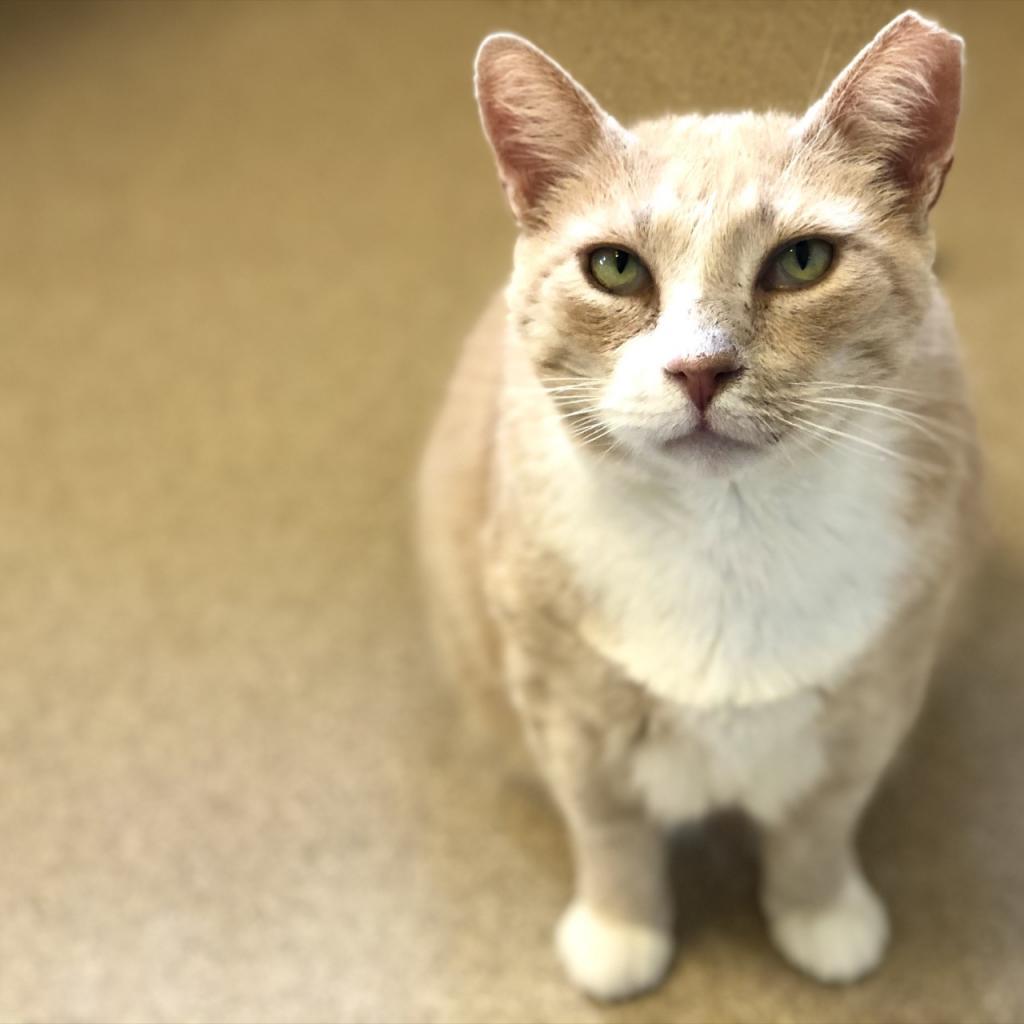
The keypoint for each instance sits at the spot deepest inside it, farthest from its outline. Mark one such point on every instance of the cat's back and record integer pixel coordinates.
(461, 438)
(453, 497)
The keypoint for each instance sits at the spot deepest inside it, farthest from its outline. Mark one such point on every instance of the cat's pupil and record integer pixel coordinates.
(803, 253)
(621, 260)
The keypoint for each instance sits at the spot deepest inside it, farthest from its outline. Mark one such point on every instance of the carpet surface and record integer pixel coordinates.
(239, 244)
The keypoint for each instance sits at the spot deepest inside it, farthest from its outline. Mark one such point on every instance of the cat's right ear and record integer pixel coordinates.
(538, 120)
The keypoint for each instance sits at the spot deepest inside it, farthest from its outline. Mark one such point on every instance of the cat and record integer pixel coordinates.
(705, 483)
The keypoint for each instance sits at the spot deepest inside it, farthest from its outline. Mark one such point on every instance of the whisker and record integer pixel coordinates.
(562, 389)
(575, 399)
(577, 414)
(592, 435)
(830, 385)
(825, 442)
(927, 425)
(873, 445)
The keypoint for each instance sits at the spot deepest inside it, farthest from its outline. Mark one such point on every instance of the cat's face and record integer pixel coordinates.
(690, 288)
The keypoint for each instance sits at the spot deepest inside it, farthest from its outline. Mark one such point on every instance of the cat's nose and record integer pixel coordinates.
(705, 376)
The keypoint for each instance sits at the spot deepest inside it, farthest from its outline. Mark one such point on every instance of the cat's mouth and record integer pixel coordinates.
(705, 440)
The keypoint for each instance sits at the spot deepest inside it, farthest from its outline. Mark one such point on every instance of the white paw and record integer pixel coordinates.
(840, 942)
(611, 959)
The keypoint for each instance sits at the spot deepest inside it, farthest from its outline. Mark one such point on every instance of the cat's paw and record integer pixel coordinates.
(611, 959)
(839, 942)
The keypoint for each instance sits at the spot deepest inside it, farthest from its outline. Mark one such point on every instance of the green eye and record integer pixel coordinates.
(618, 271)
(800, 264)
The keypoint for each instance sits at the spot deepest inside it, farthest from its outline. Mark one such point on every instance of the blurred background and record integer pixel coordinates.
(239, 244)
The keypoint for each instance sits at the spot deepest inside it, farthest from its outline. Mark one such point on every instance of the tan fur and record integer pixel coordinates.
(548, 410)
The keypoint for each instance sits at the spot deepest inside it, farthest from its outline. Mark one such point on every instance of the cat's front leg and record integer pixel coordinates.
(615, 939)
(823, 915)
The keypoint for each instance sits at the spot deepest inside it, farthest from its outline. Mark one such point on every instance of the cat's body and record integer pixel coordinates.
(731, 614)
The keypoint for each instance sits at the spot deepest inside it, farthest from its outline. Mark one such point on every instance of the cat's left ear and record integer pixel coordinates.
(539, 121)
(897, 104)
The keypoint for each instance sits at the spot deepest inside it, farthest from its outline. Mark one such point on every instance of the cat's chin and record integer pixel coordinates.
(707, 452)
(710, 447)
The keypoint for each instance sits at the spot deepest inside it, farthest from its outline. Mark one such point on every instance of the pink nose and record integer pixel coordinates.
(704, 377)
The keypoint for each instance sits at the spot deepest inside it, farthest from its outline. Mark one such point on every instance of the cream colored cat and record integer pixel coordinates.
(705, 481)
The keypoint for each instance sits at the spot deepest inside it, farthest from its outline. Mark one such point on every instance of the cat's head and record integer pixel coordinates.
(684, 287)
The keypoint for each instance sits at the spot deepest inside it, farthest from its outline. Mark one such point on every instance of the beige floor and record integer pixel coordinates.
(238, 244)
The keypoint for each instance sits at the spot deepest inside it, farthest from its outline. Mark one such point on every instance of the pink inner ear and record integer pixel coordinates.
(900, 99)
(931, 138)
(538, 120)
(524, 163)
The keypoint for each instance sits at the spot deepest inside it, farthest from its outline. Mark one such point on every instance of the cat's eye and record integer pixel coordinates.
(798, 264)
(618, 271)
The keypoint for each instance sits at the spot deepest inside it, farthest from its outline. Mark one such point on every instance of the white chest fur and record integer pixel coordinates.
(720, 593)
(762, 759)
